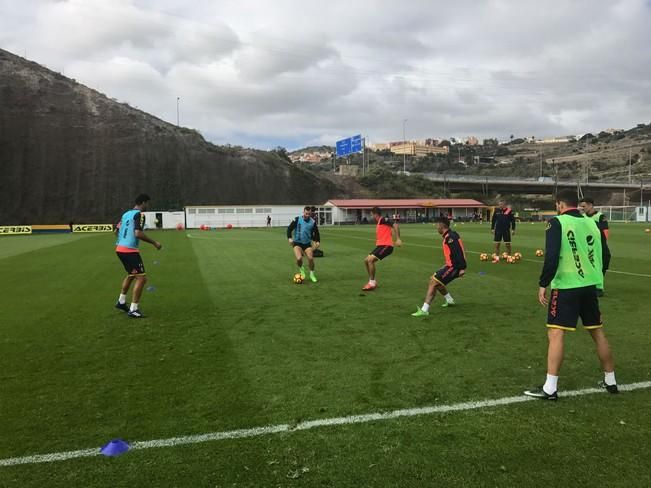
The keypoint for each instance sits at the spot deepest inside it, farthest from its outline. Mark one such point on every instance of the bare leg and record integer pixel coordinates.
(298, 254)
(555, 351)
(137, 289)
(497, 248)
(126, 284)
(370, 266)
(603, 350)
(508, 247)
(310, 258)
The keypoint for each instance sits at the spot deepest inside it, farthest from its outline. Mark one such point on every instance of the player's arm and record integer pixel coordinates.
(395, 229)
(290, 229)
(552, 257)
(457, 256)
(116, 227)
(603, 226)
(493, 220)
(138, 222)
(512, 218)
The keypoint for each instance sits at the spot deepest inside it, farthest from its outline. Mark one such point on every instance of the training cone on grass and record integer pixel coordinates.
(114, 448)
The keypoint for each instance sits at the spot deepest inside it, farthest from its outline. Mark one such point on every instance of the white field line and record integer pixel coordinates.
(411, 244)
(307, 425)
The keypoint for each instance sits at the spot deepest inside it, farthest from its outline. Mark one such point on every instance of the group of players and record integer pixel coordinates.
(576, 259)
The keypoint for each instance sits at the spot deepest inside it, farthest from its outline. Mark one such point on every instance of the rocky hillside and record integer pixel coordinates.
(68, 152)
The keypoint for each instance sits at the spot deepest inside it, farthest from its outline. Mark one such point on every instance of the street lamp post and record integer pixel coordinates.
(177, 111)
(404, 148)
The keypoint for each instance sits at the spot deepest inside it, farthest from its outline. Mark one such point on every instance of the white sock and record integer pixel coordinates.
(372, 282)
(134, 307)
(609, 378)
(425, 307)
(122, 299)
(551, 384)
(448, 298)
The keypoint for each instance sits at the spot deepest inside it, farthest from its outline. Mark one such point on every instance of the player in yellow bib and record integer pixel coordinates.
(573, 269)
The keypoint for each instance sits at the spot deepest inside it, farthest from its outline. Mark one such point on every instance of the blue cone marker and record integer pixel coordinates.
(114, 448)
(151, 288)
(482, 273)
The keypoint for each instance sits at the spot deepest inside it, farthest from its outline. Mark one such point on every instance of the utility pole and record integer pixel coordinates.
(178, 99)
(363, 156)
(404, 148)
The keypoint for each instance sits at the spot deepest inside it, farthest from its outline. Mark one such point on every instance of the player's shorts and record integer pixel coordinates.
(382, 252)
(301, 245)
(502, 235)
(566, 306)
(446, 275)
(132, 262)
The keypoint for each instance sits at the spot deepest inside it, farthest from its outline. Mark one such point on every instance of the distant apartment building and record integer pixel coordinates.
(381, 146)
(309, 157)
(472, 141)
(418, 150)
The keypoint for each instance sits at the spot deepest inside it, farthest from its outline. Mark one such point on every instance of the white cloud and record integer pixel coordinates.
(294, 72)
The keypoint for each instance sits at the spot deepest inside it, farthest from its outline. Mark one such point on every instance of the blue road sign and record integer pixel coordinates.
(343, 147)
(356, 143)
(349, 145)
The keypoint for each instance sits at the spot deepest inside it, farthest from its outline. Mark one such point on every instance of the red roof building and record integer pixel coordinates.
(407, 203)
(406, 210)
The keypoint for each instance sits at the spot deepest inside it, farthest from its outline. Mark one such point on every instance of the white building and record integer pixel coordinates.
(163, 220)
(219, 216)
(333, 212)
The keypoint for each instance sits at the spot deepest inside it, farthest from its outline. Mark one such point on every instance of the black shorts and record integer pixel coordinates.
(301, 245)
(382, 252)
(446, 275)
(132, 262)
(502, 235)
(566, 306)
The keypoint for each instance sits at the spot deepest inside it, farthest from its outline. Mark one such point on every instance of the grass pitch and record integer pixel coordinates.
(231, 343)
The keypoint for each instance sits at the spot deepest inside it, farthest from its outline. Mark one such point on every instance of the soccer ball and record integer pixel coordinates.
(505, 255)
(483, 257)
(540, 252)
(517, 256)
(496, 258)
(647, 231)
(510, 259)
(298, 279)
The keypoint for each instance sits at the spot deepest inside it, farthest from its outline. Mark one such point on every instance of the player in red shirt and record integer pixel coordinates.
(385, 230)
(455, 267)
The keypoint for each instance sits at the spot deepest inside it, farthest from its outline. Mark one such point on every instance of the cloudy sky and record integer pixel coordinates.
(299, 72)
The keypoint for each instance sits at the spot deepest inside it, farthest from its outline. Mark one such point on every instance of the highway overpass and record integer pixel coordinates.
(544, 186)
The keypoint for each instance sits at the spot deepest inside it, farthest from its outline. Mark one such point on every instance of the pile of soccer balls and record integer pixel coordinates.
(298, 279)
(506, 257)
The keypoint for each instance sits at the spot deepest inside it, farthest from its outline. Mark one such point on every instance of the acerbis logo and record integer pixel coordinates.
(575, 254)
(93, 228)
(16, 229)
